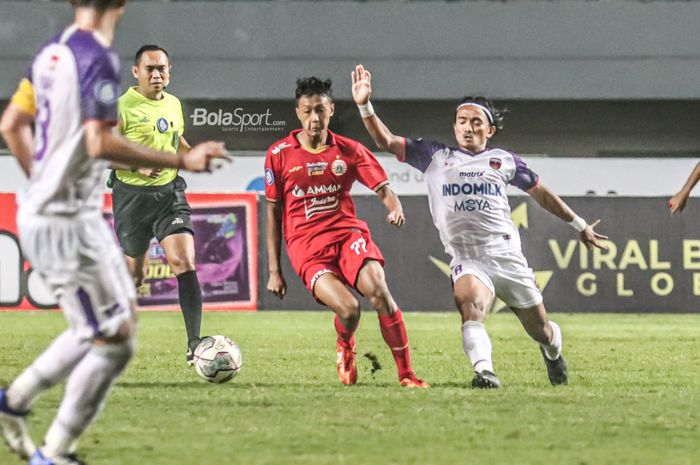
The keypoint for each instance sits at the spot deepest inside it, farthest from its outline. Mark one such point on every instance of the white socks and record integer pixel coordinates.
(52, 366)
(477, 345)
(87, 388)
(553, 350)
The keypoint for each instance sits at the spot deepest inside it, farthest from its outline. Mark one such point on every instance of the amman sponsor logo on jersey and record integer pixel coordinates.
(318, 205)
(316, 168)
(316, 190)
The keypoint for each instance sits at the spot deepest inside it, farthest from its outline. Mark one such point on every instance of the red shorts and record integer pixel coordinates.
(341, 253)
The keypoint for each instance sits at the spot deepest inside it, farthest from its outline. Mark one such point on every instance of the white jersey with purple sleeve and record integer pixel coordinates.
(467, 195)
(76, 79)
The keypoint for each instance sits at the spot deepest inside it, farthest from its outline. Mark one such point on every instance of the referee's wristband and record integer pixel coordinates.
(578, 223)
(366, 110)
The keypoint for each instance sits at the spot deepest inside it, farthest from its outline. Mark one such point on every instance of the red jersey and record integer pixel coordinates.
(314, 187)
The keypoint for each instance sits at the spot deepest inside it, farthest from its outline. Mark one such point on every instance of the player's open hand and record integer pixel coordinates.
(149, 173)
(361, 85)
(277, 285)
(396, 217)
(205, 157)
(677, 202)
(591, 238)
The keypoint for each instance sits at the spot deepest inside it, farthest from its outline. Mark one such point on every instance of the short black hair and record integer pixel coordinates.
(100, 5)
(312, 85)
(149, 48)
(498, 115)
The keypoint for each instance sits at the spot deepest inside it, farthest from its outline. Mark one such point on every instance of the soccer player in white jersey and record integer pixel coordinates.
(468, 202)
(75, 79)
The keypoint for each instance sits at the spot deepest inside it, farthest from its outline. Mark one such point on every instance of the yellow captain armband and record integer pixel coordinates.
(24, 97)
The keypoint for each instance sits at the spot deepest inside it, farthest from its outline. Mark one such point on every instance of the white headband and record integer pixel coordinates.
(473, 104)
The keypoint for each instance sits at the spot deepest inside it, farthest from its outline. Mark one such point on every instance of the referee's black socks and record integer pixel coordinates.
(191, 305)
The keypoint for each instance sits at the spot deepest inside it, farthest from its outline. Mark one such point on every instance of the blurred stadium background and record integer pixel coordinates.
(602, 101)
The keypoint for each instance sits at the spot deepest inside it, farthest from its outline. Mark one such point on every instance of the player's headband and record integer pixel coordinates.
(474, 104)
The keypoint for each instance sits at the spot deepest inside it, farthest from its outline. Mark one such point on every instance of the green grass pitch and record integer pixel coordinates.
(633, 398)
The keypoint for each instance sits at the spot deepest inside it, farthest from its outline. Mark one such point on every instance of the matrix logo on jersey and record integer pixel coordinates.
(316, 168)
(471, 174)
(237, 120)
(471, 188)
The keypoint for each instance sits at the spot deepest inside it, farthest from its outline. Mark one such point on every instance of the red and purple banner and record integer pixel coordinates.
(226, 243)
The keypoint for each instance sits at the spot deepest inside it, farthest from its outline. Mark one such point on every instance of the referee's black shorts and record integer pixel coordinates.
(144, 212)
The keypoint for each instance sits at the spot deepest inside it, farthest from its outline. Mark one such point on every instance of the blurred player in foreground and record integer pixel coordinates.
(308, 177)
(468, 202)
(75, 77)
(150, 202)
(678, 201)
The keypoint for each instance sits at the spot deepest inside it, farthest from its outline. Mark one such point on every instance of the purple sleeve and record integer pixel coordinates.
(523, 178)
(99, 89)
(419, 152)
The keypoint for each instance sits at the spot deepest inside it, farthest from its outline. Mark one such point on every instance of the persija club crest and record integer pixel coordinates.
(495, 163)
(339, 167)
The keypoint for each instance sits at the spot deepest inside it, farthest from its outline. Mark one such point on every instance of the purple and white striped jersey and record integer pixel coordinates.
(76, 79)
(467, 195)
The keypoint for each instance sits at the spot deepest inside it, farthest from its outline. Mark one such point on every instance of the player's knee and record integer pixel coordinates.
(380, 299)
(349, 311)
(472, 309)
(181, 265)
(120, 351)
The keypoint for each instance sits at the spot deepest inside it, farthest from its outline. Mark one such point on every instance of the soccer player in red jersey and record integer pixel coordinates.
(308, 177)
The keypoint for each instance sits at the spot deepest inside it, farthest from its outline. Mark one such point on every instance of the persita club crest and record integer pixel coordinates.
(495, 163)
(339, 167)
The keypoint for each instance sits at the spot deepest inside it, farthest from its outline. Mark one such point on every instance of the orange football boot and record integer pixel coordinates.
(347, 371)
(414, 382)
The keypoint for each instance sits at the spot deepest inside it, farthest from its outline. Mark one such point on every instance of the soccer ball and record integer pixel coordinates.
(217, 359)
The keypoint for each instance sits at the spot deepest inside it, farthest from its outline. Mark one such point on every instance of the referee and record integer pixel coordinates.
(149, 202)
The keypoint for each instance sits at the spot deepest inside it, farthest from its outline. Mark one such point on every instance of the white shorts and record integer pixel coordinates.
(506, 274)
(79, 260)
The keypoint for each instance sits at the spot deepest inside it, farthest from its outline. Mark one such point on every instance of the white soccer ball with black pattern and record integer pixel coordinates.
(217, 359)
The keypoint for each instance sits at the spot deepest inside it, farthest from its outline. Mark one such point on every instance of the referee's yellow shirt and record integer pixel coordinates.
(157, 124)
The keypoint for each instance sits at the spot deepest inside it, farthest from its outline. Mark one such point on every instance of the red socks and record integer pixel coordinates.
(394, 333)
(345, 338)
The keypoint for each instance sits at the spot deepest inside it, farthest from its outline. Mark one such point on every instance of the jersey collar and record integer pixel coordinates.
(330, 140)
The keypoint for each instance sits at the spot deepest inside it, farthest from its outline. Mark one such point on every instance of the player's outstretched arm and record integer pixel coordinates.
(102, 142)
(382, 136)
(393, 205)
(677, 203)
(273, 233)
(556, 206)
(16, 129)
